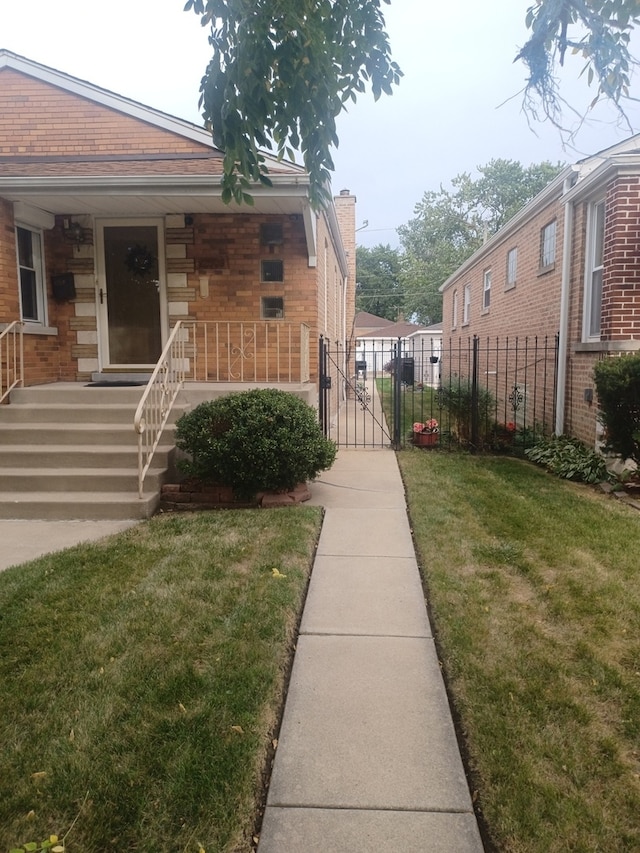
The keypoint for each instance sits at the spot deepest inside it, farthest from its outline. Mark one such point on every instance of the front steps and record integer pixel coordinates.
(68, 451)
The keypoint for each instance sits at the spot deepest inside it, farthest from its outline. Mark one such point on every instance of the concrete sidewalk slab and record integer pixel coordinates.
(370, 493)
(357, 480)
(358, 459)
(367, 726)
(365, 596)
(347, 831)
(25, 539)
(366, 533)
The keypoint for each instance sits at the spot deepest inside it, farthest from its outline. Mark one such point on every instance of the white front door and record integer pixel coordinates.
(131, 292)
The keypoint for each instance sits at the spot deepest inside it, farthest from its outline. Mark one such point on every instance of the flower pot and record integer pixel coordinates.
(425, 439)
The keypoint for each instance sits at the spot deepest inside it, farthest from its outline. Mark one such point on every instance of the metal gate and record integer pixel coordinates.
(481, 394)
(357, 398)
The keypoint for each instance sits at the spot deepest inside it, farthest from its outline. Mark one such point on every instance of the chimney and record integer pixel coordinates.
(345, 205)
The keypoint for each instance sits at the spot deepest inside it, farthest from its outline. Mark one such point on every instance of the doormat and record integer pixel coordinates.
(117, 383)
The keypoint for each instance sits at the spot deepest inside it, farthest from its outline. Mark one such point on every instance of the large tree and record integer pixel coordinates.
(596, 32)
(283, 70)
(281, 73)
(450, 224)
(378, 288)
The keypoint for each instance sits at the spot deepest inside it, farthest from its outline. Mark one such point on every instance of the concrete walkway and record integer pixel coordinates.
(26, 539)
(367, 758)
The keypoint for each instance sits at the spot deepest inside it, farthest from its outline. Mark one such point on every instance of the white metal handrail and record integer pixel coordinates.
(11, 358)
(157, 401)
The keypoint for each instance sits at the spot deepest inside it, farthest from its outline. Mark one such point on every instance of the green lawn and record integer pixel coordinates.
(142, 680)
(534, 595)
(142, 676)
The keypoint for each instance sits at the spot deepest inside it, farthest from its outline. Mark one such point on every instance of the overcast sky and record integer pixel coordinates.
(457, 107)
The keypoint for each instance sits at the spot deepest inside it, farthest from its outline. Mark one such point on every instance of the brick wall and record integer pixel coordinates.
(223, 253)
(9, 299)
(620, 321)
(580, 415)
(621, 276)
(518, 329)
(531, 306)
(345, 204)
(38, 118)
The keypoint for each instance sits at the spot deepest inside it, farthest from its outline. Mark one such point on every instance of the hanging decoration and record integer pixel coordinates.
(140, 261)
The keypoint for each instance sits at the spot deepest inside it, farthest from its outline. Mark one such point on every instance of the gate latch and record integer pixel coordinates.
(326, 382)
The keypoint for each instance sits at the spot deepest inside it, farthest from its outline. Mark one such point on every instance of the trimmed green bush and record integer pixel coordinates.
(618, 385)
(568, 458)
(457, 398)
(258, 440)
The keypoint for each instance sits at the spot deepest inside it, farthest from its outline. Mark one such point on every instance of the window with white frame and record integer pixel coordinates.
(512, 267)
(454, 309)
(466, 304)
(486, 290)
(593, 271)
(31, 274)
(548, 245)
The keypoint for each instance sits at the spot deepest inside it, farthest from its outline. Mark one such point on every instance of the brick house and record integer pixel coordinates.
(113, 233)
(566, 265)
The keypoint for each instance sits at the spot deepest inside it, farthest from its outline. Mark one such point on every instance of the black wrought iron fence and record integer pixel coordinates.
(478, 393)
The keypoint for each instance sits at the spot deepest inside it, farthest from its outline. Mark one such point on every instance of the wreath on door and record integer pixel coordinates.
(140, 261)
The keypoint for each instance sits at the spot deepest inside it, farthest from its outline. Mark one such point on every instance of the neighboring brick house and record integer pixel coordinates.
(112, 228)
(568, 265)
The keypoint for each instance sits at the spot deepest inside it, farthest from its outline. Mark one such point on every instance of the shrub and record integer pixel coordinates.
(259, 440)
(456, 398)
(618, 385)
(568, 458)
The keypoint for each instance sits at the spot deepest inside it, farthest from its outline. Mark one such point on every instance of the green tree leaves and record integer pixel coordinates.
(281, 73)
(596, 30)
(378, 289)
(283, 70)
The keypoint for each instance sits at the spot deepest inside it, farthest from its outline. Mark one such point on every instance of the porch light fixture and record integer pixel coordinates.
(73, 231)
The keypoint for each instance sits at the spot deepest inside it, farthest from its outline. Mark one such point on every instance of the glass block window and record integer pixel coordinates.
(271, 234)
(272, 307)
(271, 271)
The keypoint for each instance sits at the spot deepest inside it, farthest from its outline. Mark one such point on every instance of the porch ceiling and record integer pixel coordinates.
(125, 196)
(115, 199)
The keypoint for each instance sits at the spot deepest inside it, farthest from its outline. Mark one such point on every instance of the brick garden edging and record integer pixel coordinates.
(630, 496)
(193, 495)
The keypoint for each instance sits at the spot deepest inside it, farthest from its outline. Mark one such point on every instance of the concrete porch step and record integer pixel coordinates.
(70, 456)
(49, 413)
(107, 480)
(95, 434)
(76, 393)
(68, 451)
(77, 505)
